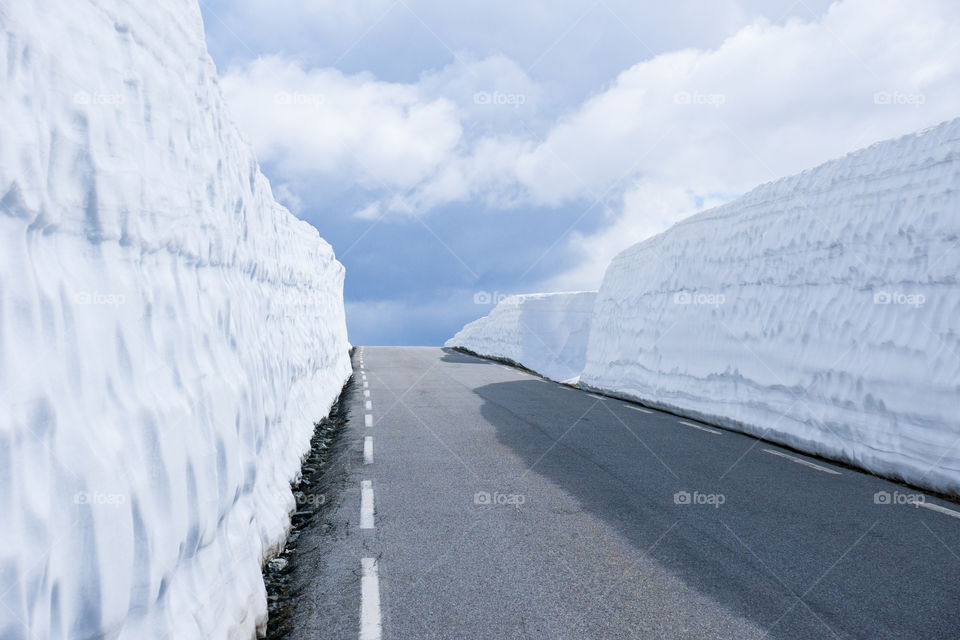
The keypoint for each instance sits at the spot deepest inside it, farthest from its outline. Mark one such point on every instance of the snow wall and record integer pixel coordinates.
(546, 332)
(821, 311)
(168, 332)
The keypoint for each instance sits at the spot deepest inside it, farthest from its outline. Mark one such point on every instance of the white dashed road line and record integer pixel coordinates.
(805, 463)
(366, 504)
(593, 395)
(370, 626)
(697, 426)
(640, 409)
(939, 509)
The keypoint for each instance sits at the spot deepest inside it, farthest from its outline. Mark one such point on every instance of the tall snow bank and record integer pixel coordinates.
(821, 310)
(544, 332)
(168, 332)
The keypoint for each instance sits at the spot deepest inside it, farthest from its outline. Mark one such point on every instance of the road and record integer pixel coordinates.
(499, 505)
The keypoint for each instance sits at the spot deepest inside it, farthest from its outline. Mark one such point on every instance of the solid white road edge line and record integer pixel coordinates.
(697, 426)
(805, 463)
(370, 626)
(366, 504)
(368, 450)
(367, 420)
(938, 508)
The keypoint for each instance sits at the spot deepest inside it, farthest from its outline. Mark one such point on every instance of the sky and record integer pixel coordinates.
(457, 152)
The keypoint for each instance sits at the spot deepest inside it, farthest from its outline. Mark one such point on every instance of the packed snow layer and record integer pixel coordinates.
(168, 333)
(821, 310)
(545, 332)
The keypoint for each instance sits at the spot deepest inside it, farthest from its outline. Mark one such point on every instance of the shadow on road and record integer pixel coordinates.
(452, 356)
(816, 560)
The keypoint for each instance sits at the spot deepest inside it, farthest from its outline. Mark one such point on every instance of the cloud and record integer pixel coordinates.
(352, 129)
(771, 101)
(670, 135)
(494, 94)
(574, 47)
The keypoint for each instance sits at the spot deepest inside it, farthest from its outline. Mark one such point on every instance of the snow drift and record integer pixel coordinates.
(546, 333)
(168, 332)
(821, 311)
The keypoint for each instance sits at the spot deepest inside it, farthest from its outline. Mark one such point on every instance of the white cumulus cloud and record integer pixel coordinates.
(670, 135)
(351, 128)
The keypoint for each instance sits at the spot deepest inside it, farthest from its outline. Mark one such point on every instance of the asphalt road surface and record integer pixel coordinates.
(480, 501)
